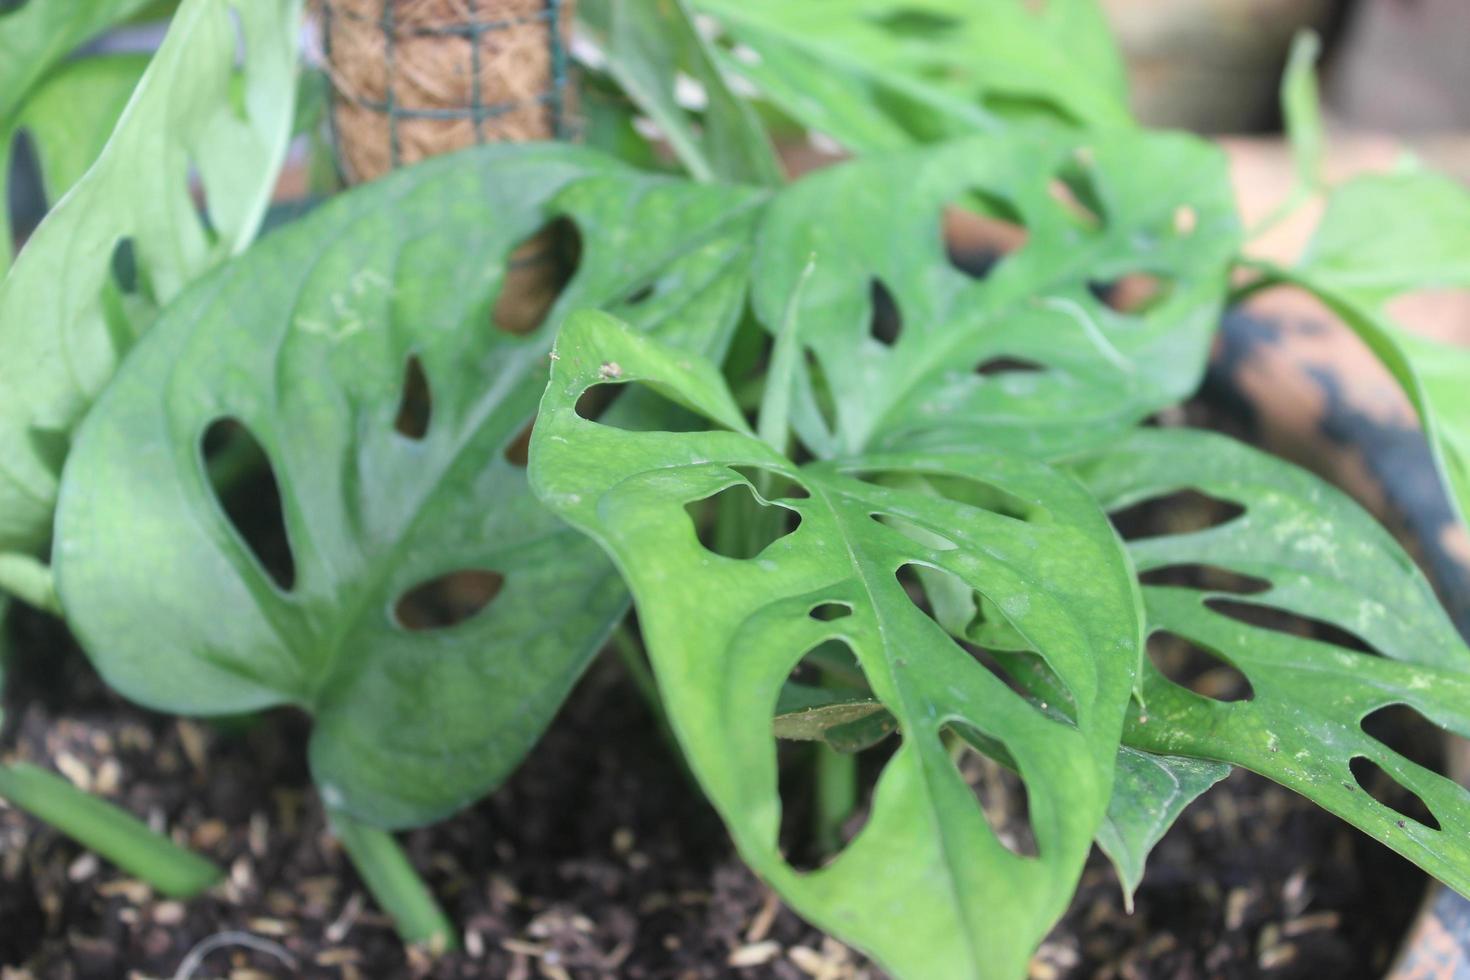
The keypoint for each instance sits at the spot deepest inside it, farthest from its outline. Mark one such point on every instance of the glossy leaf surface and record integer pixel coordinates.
(1029, 356)
(65, 317)
(926, 886)
(306, 344)
(1322, 558)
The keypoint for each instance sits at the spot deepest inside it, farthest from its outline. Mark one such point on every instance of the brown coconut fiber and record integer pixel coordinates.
(416, 78)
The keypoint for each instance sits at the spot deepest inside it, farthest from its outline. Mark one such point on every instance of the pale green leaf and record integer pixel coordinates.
(649, 46)
(1382, 237)
(1301, 105)
(41, 33)
(63, 321)
(72, 113)
(926, 887)
(883, 74)
(33, 39)
(305, 340)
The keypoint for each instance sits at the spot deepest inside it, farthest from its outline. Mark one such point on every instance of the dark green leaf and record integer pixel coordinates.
(1325, 559)
(1149, 793)
(926, 887)
(306, 342)
(1072, 371)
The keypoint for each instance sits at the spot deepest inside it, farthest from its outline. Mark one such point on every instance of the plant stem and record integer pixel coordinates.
(394, 884)
(29, 579)
(837, 790)
(772, 424)
(109, 831)
(630, 651)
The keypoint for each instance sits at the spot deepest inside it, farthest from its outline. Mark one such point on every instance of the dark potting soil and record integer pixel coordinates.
(596, 860)
(599, 859)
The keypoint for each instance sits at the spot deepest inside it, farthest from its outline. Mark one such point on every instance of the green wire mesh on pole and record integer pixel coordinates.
(414, 78)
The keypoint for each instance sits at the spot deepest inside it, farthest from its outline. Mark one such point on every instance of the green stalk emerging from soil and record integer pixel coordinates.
(107, 830)
(395, 885)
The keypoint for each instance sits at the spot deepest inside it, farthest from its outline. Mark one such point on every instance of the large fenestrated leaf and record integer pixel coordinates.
(884, 74)
(64, 320)
(1079, 371)
(1324, 558)
(926, 887)
(1384, 236)
(305, 341)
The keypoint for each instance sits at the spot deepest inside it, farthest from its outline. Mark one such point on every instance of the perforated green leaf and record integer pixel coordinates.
(64, 320)
(1384, 236)
(1323, 558)
(1026, 357)
(306, 342)
(926, 886)
(883, 74)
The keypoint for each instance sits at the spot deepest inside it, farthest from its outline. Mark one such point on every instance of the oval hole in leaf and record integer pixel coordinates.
(447, 600)
(415, 404)
(1136, 293)
(734, 523)
(999, 789)
(1075, 193)
(198, 193)
(1377, 783)
(1180, 512)
(125, 266)
(1210, 578)
(981, 229)
(777, 485)
(885, 320)
(518, 450)
(968, 616)
(635, 407)
(1280, 621)
(1403, 729)
(640, 295)
(244, 484)
(921, 25)
(1001, 366)
(969, 492)
(536, 272)
(828, 611)
(826, 708)
(1198, 669)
